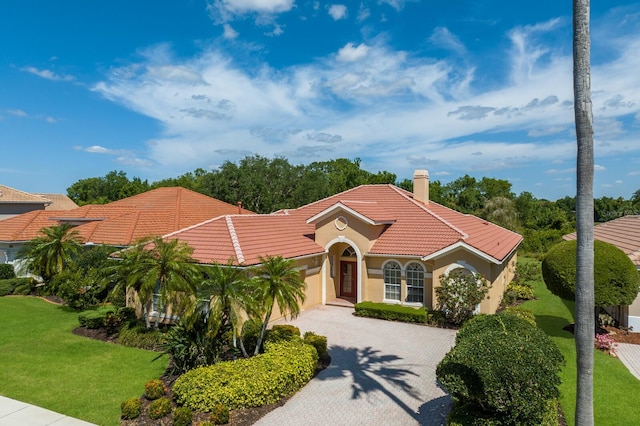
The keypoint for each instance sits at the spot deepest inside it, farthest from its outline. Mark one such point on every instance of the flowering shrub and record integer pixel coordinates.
(605, 343)
(154, 389)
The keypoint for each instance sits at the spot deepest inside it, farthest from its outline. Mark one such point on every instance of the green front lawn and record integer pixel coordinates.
(615, 388)
(43, 363)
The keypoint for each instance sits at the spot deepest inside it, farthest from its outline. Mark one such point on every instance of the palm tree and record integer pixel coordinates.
(158, 268)
(585, 299)
(278, 281)
(50, 253)
(228, 295)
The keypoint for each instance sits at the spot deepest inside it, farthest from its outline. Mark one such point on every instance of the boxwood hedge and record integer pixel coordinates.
(391, 312)
(284, 368)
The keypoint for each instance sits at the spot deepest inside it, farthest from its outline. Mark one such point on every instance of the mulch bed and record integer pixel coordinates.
(618, 335)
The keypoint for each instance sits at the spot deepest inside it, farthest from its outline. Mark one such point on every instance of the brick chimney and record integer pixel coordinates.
(421, 186)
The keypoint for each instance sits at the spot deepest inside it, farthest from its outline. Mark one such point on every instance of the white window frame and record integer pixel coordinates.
(410, 281)
(396, 286)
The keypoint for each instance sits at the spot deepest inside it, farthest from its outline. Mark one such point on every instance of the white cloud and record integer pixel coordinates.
(229, 32)
(338, 11)
(443, 38)
(363, 12)
(351, 53)
(370, 98)
(17, 112)
(48, 74)
(50, 119)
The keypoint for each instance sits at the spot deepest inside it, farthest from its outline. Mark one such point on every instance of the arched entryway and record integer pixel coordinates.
(342, 276)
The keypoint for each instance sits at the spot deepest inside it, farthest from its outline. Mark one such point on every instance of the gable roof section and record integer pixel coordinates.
(59, 202)
(623, 233)
(11, 195)
(370, 212)
(153, 213)
(244, 238)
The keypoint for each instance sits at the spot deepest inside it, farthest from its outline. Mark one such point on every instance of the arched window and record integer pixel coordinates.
(392, 280)
(349, 252)
(415, 283)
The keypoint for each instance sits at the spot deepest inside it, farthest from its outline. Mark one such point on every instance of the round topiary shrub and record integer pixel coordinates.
(318, 342)
(159, 408)
(182, 416)
(130, 408)
(502, 368)
(616, 279)
(282, 332)
(154, 389)
(219, 414)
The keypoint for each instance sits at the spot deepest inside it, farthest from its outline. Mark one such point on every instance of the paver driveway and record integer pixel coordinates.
(381, 373)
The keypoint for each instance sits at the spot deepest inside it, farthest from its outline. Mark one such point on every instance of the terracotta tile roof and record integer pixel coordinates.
(26, 226)
(623, 233)
(244, 238)
(420, 229)
(59, 202)
(156, 212)
(10, 195)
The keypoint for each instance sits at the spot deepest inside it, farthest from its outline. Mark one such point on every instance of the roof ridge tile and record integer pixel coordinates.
(234, 239)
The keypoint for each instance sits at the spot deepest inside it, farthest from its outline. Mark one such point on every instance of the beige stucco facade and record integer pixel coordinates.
(348, 239)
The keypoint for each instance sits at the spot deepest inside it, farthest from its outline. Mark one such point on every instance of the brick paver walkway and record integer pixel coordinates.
(381, 372)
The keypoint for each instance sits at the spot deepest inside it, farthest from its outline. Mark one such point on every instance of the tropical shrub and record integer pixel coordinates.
(250, 334)
(182, 416)
(521, 291)
(281, 370)
(77, 289)
(282, 332)
(7, 271)
(318, 342)
(523, 313)
(154, 389)
(605, 343)
(459, 293)
(95, 318)
(502, 368)
(616, 278)
(26, 288)
(219, 414)
(139, 336)
(391, 312)
(159, 408)
(192, 345)
(131, 408)
(7, 286)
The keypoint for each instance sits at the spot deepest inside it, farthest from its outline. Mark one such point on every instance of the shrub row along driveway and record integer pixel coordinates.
(381, 373)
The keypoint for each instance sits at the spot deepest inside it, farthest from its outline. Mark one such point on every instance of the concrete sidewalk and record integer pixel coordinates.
(16, 413)
(630, 356)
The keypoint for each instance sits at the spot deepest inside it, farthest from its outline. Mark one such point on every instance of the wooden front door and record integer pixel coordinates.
(348, 279)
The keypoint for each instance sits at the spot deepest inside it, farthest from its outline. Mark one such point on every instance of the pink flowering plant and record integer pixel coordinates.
(605, 343)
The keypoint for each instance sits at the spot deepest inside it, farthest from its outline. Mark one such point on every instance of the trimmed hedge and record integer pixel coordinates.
(391, 312)
(616, 279)
(284, 368)
(96, 318)
(319, 342)
(502, 368)
(468, 415)
(22, 286)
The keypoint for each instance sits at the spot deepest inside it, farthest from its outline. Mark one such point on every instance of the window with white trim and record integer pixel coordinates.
(415, 283)
(392, 280)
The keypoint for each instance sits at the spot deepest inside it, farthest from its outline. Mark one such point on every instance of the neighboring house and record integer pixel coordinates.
(120, 223)
(623, 233)
(14, 202)
(374, 242)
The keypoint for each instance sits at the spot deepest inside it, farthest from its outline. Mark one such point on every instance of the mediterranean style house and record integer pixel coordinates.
(374, 243)
(623, 233)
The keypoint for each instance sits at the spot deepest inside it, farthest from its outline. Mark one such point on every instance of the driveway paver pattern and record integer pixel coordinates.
(381, 372)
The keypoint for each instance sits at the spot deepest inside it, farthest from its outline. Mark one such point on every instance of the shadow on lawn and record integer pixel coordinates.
(372, 371)
(553, 326)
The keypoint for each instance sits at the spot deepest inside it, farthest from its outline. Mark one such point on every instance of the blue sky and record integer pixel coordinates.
(157, 89)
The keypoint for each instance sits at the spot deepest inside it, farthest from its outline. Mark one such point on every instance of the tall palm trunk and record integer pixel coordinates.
(584, 307)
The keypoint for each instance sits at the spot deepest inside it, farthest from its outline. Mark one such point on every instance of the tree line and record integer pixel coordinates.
(265, 185)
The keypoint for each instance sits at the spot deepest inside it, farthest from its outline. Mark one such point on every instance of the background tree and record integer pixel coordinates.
(584, 313)
(278, 282)
(616, 280)
(101, 190)
(52, 252)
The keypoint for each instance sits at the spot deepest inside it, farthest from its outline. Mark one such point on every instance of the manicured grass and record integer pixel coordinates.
(615, 388)
(43, 363)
